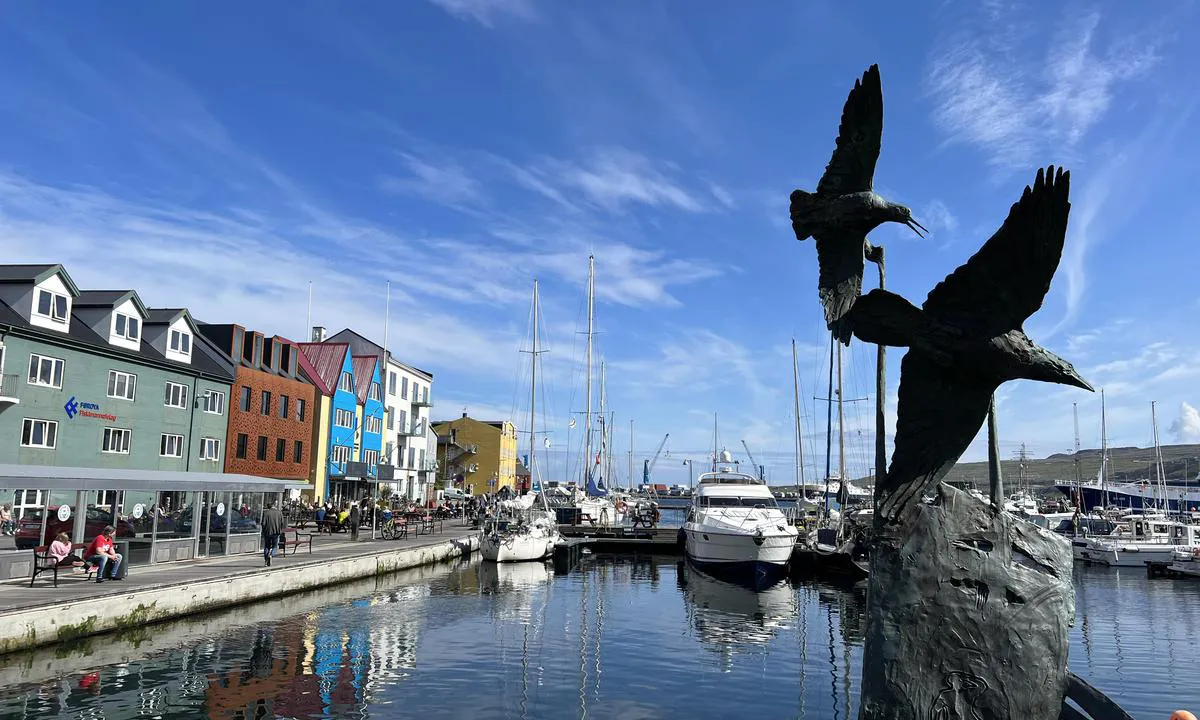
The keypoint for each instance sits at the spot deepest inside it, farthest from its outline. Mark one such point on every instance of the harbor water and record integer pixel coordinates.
(616, 637)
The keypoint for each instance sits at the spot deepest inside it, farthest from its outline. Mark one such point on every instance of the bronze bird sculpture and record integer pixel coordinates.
(845, 207)
(967, 339)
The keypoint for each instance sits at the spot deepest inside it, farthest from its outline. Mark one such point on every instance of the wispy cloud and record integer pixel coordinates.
(446, 183)
(611, 178)
(986, 95)
(937, 217)
(486, 12)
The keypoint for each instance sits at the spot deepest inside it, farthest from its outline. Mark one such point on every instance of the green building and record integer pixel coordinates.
(96, 379)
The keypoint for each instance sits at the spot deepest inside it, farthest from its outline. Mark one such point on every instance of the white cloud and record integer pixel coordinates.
(1186, 428)
(936, 216)
(985, 95)
(611, 178)
(445, 182)
(485, 12)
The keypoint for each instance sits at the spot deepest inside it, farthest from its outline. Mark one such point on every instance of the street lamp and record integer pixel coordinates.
(691, 483)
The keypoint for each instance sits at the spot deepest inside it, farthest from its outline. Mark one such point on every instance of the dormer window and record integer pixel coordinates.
(128, 327)
(181, 342)
(346, 382)
(52, 305)
(373, 394)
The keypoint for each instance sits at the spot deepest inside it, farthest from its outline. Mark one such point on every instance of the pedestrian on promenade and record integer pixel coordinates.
(355, 521)
(6, 520)
(272, 528)
(101, 553)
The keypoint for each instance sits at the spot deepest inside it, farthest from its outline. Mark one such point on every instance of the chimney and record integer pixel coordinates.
(318, 334)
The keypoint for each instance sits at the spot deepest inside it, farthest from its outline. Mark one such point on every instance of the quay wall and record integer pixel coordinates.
(31, 627)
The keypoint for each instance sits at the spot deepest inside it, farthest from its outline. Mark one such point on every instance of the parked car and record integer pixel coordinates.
(30, 526)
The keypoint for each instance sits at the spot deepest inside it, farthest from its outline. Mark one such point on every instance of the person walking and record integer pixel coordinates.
(355, 521)
(272, 528)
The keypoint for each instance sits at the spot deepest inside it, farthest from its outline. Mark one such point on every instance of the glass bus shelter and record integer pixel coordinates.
(160, 516)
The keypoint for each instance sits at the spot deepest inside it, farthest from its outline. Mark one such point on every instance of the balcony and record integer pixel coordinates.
(8, 389)
(414, 429)
(422, 401)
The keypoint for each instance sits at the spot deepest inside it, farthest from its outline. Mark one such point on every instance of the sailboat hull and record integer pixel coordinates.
(517, 547)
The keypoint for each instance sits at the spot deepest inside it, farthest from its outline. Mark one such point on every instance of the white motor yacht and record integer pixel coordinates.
(735, 526)
(1150, 539)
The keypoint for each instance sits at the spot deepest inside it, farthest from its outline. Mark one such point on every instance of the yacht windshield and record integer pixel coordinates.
(751, 502)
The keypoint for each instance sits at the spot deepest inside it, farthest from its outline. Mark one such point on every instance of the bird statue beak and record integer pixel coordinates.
(917, 227)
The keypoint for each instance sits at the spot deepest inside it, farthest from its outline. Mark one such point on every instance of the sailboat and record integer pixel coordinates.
(596, 502)
(521, 531)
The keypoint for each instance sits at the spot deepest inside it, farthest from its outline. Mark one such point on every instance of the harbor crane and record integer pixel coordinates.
(648, 465)
(760, 468)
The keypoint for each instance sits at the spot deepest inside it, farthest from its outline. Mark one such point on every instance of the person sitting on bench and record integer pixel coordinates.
(60, 551)
(102, 554)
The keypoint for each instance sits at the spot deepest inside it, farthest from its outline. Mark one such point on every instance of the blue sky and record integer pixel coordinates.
(221, 156)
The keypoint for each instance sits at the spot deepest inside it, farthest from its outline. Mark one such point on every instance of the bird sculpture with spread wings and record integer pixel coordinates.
(967, 339)
(845, 207)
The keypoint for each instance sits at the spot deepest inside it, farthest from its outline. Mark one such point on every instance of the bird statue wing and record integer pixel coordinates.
(939, 411)
(852, 167)
(840, 281)
(1005, 282)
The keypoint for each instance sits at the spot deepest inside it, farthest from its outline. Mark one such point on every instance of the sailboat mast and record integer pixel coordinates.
(533, 387)
(1103, 450)
(799, 431)
(829, 425)
(587, 407)
(631, 454)
(841, 421)
(1078, 471)
(1158, 462)
(604, 455)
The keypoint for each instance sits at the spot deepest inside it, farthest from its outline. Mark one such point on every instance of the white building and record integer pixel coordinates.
(409, 446)
(408, 397)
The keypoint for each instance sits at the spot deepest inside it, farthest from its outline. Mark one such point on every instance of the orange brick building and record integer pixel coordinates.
(271, 407)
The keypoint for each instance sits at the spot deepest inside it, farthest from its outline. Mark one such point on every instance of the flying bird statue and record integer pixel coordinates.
(845, 207)
(967, 339)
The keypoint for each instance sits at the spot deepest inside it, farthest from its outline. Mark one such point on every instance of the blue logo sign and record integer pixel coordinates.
(86, 409)
(71, 407)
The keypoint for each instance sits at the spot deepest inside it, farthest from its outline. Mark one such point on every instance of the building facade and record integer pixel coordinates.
(369, 394)
(409, 445)
(272, 408)
(97, 379)
(331, 366)
(477, 456)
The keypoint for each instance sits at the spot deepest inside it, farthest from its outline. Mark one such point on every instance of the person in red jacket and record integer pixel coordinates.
(101, 553)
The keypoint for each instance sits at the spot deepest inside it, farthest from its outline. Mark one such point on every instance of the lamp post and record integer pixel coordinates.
(691, 483)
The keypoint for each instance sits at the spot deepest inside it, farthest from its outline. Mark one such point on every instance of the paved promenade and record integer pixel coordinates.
(344, 559)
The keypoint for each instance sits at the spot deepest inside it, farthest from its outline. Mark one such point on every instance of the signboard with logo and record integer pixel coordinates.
(74, 407)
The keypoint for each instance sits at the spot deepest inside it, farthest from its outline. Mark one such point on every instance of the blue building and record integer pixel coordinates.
(330, 367)
(369, 396)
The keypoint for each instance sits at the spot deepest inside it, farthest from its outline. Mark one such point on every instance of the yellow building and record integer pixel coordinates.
(477, 456)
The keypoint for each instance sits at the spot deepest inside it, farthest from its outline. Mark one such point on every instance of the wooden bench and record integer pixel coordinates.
(43, 563)
(295, 540)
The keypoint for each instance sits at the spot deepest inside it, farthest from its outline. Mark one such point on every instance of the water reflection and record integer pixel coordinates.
(618, 637)
(729, 618)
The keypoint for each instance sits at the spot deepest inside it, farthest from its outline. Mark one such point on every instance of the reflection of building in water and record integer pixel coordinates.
(393, 643)
(730, 618)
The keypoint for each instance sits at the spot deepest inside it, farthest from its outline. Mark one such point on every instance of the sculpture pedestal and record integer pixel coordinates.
(967, 616)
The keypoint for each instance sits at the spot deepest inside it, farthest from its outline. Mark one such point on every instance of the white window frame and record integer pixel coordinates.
(346, 382)
(301, 409)
(338, 414)
(213, 402)
(210, 449)
(175, 342)
(115, 441)
(35, 377)
(374, 425)
(182, 391)
(371, 457)
(46, 433)
(114, 377)
(165, 441)
(131, 322)
(391, 382)
(404, 387)
(340, 454)
(373, 392)
(54, 305)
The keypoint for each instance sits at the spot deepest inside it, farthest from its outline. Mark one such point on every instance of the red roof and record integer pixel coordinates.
(322, 364)
(364, 375)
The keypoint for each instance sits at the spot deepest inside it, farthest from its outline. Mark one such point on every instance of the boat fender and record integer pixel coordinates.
(1182, 715)
(758, 537)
